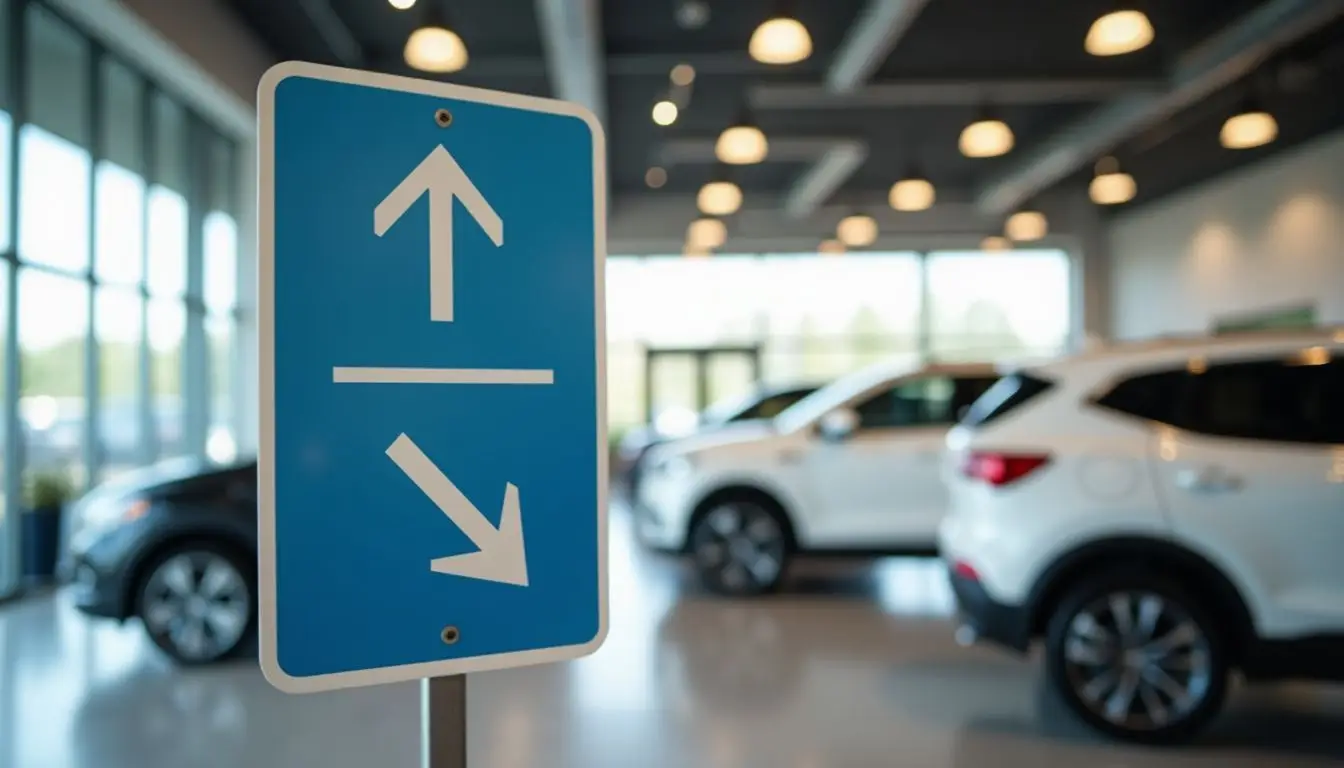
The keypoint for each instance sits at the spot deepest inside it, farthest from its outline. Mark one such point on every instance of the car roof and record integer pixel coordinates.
(1175, 349)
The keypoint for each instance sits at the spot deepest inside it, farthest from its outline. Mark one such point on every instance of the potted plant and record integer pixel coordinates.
(45, 495)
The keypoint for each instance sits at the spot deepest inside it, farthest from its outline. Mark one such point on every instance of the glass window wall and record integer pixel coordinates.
(123, 192)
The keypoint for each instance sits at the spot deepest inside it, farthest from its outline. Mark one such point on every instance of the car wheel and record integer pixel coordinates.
(198, 603)
(1137, 657)
(740, 547)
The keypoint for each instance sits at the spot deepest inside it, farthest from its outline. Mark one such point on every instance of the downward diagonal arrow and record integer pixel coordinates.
(500, 554)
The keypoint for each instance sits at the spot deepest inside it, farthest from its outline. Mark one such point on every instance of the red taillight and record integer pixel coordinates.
(965, 570)
(999, 469)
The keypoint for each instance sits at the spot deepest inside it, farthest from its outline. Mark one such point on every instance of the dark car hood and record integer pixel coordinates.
(166, 476)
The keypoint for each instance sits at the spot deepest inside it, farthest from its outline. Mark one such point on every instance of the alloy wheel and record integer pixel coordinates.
(740, 547)
(197, 605)
(1138, 660)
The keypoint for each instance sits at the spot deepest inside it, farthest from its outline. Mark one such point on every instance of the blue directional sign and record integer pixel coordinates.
(433, 435)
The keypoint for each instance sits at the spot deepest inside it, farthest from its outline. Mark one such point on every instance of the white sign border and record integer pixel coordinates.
(267, 608)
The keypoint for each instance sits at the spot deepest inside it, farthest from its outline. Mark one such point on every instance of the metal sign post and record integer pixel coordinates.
(443, 722)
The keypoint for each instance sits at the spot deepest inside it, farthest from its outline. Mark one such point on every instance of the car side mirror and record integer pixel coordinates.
(838, 425)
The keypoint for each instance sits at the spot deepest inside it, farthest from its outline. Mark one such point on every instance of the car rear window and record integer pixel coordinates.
(1008, 394)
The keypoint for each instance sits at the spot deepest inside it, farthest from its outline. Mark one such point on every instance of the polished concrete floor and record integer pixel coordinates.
(850, 668)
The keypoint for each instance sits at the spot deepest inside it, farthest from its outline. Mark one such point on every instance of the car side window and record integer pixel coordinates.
(1155, 395)
(1266, 400)
(1255, 400)
(968, 390)
(911, 403)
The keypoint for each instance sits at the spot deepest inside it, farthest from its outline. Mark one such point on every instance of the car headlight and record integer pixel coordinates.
(97, 516)
(673, 466)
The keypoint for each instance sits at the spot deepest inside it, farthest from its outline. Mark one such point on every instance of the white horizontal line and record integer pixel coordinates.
(361, 375)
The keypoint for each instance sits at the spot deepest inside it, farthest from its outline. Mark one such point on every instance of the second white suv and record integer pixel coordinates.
(851, 468)
(1160, 514)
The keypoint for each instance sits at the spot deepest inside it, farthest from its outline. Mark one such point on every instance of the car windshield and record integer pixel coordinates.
(837, 393)
(760, 404)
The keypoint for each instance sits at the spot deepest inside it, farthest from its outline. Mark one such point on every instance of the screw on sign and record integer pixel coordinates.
(433, 441)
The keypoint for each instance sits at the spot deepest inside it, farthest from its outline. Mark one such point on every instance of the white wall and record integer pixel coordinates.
(205, 55)
(1266, 237)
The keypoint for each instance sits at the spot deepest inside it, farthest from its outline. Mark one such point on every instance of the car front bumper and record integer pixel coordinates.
(661, 512)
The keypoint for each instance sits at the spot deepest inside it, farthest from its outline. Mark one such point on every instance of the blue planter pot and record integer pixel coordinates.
(40, 530)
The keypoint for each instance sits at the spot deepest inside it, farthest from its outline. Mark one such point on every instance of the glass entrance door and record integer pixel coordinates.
(681, 383)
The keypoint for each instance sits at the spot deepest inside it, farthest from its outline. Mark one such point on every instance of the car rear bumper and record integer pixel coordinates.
(1000, 623)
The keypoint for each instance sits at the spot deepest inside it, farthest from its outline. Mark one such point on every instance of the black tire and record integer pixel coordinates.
(1160, 691)
(740, 545)
(200, 587)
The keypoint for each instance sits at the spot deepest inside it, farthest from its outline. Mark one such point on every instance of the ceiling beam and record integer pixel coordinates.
(824, 178)
(804, 149)
(335, 34)
(655, 223)
(940, 93)
(726, 63)
(870, 41)
(1232, 53)
(571, 33)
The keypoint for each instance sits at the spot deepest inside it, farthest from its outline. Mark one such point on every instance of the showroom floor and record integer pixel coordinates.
(852, 668)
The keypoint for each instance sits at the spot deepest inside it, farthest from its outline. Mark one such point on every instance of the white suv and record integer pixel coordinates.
(1161, 514)
(851, 468)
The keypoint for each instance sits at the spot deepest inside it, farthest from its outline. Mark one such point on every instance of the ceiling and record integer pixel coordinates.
(938, 65)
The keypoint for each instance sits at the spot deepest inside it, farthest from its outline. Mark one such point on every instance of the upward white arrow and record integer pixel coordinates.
(442, 178)
(500, 554)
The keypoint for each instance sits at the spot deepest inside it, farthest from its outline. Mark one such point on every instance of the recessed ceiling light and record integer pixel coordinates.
(692, 14)
(682, 75)
(655, 177)
(664, 112)
(1119, 32)
(401, 5)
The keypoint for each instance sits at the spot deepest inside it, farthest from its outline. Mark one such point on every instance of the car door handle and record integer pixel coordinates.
(1207, 480)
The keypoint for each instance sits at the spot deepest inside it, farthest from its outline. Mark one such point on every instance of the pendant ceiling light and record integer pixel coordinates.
(912, 193)
(857, 231)
(1110, 185)
(1025, 226)
(742, 143)
(1251, 127)
(435, 47)
(707, 233)
(988, 136)
(780, 39)
(831, 247)
(720, 197)
(1123, 30)
(995, 243)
